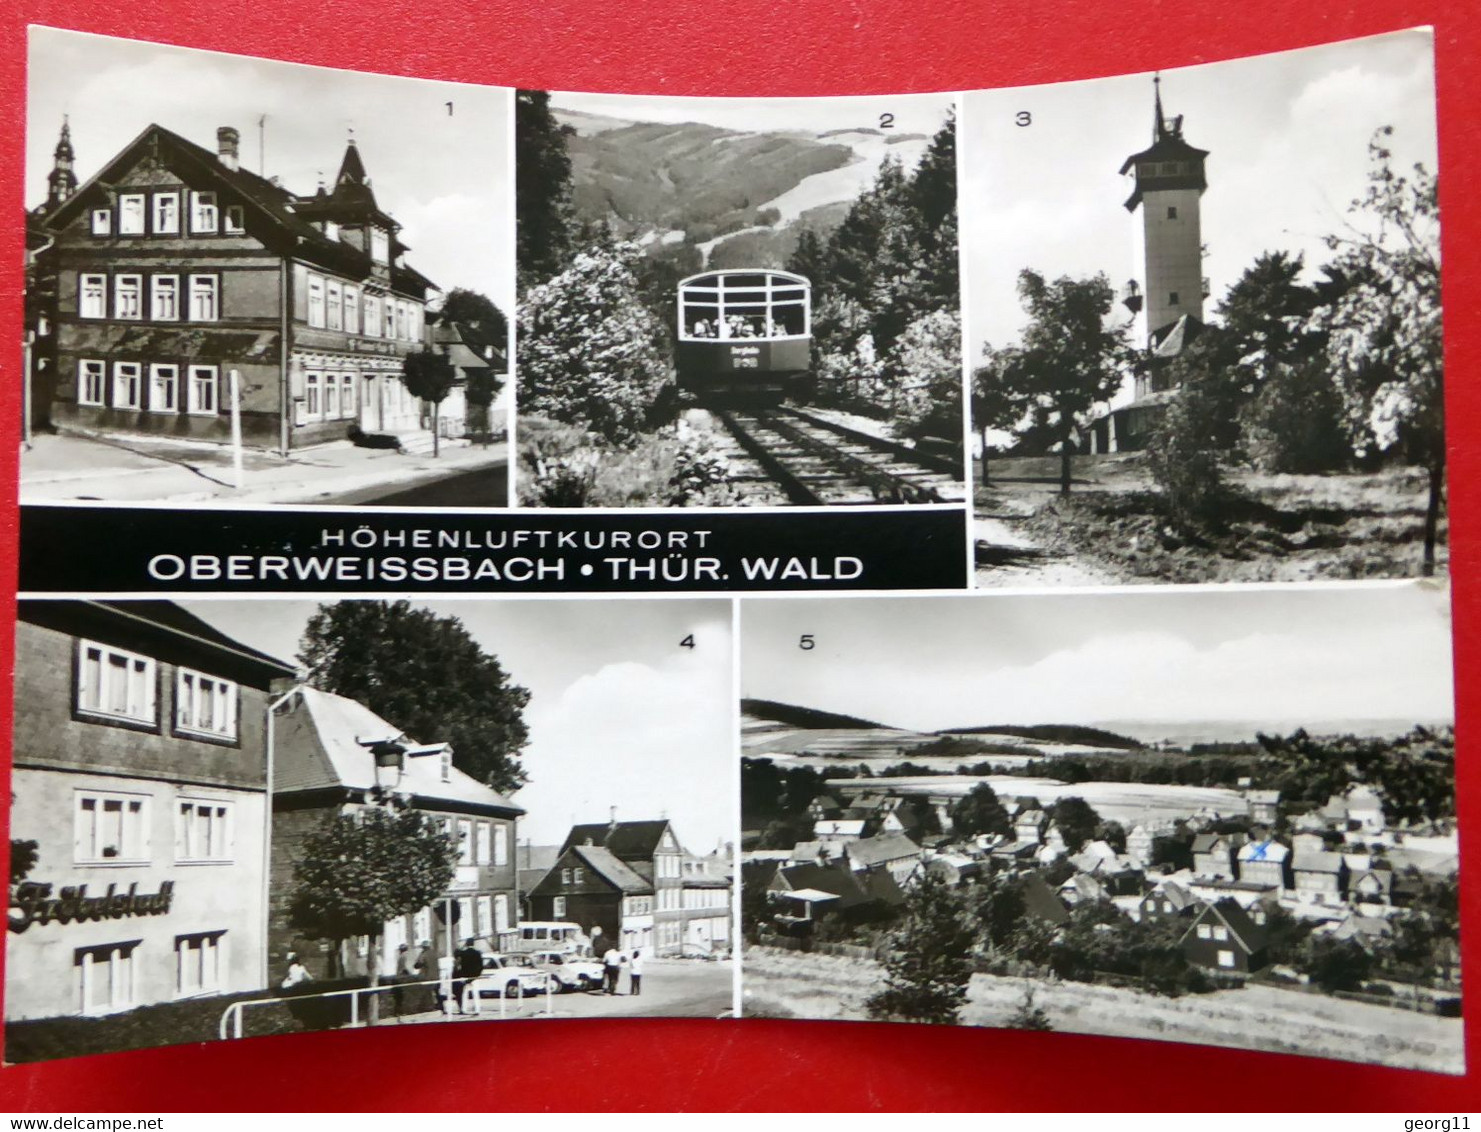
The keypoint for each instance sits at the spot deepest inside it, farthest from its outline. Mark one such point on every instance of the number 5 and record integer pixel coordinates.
(807, 644)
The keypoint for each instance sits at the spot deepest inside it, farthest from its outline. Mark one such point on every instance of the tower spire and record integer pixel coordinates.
(61, 183)
(1158, 122)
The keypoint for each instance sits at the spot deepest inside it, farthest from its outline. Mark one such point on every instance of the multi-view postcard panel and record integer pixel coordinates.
(738, 302)
(232, 818)
(1204, 322)
(1217, 816)
(1132, 330)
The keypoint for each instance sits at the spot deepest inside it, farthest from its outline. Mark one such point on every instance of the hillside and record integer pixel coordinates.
(794, 716)
(1054, 733)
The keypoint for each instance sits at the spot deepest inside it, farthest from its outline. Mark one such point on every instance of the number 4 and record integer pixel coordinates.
(687, 642)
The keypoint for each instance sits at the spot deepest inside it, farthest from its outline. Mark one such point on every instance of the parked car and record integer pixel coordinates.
(506, 976)
(570, 972)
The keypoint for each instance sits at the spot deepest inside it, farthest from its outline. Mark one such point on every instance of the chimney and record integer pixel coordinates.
(227, 143)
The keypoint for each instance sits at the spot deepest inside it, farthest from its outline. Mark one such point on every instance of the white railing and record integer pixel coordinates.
(472, 1004)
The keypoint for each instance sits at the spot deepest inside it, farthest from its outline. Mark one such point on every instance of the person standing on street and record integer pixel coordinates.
(467, 966)
(611, 967)
(635, 974)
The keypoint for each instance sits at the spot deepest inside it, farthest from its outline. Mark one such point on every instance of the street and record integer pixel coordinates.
(483, 487)
(672, 988)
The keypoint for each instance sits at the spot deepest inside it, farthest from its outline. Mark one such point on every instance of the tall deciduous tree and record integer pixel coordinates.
(1076, 820)
(424, 674)
(1071, 358)
(980, 812)
(930, 966)
(588, 351)
(364, 868)
(429, 376)
(544, 215)
(1383, 333)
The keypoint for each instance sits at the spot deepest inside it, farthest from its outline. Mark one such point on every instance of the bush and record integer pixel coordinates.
(1295, 424)
(1183, 459)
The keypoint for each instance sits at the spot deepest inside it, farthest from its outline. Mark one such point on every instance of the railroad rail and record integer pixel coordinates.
(815, 461)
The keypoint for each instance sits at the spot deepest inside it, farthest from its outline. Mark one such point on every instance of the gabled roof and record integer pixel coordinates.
(283, 210)
(318, 746)
(1256, 851)
(1319, 863)
(1171, 341)
(628, 840)
(1250, 935)
(1175, 894)
(1208, 842)
(821, 878)
(880, 850)
(1040, 900)
(605, 864)
(1266, 797)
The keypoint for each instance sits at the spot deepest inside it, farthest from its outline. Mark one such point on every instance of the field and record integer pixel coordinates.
(1287, 528)
(779, 984)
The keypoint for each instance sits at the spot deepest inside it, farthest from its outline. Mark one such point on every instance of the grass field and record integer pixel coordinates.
(779, 984)
(1284, 528)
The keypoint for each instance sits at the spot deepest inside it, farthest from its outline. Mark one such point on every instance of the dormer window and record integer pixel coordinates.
(380, 245)
(102, 222)
(236, 219)
(166, 214)
(204, 215)
(447, 766)
(131, 214)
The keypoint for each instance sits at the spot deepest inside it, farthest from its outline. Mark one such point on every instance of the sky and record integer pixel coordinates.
(913, 113)
(1287, 136)
(620, 714)
(444, 177)
(1260, 654)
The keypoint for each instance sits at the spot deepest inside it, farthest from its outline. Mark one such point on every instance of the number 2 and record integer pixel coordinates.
(886, 121)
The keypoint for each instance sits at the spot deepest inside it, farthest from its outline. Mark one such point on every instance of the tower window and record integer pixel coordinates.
(1172, 298)
(1172, 212)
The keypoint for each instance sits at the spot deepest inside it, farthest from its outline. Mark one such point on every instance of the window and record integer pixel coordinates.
(558, 907)
(1226, 958)
(313, 403)
(203, 298)
(336, 306)
(372, 316)
(565, 876)
(128, 296)
(465, 841)
(390, 324)
(126, 385)
(501, 913)
(92, 296)
(203, 830)
(331, 229)
(106, 977)
(347, 408)
(1172, 298)
(578, 876)
(164, 388)
(1172, 212)
(110, 828)
(198, 964)
(401, 320)
(485, 916)
(501, 845)
(1221, 933)
(164, 298)
(331, 397)
(1203, 932)
(421, 926)
(111, 681)
(203, 213)
(481, 845)
(90, 382)
(380, 245)
(131, 214)
(236, 221)
(205, 705)
(203, 399)
(316, 300)
(352, 309)
(166, 214)
(102, 222)
(446, 765)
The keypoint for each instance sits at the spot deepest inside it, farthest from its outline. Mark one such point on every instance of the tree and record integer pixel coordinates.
(1183, 456)
(475, 309)
(1383, 334)
(980, 812)
(425, 674)
(1070, 360)
(429, 376)
(23, 856)
(364, 868)
(1076, 821)
(994, 406)
(929, 968)
(588, 346)
(925, 367)
(1027, 1016)
(1334, 965)
(544, 214)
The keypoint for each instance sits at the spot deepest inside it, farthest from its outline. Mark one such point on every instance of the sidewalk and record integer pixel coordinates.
(63, 468)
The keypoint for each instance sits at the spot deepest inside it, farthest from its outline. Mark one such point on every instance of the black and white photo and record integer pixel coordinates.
(1203, 319)
(423, 813)
(255, 282)
(1216, 815)
(738, 302)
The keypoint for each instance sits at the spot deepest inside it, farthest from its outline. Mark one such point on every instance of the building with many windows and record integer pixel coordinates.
(334, 755)
(175, 267)
(141, 777)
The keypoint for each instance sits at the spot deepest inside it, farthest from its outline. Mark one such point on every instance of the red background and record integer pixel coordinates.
(795, 47)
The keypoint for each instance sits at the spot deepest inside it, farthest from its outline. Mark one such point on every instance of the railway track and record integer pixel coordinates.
(814, 461)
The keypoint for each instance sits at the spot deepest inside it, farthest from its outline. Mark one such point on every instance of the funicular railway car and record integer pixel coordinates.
(744, 334)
